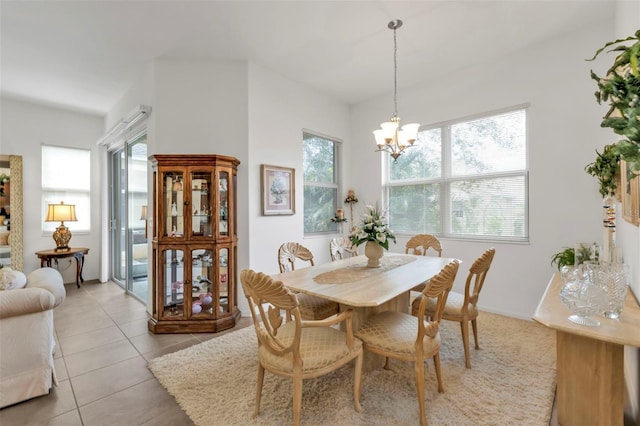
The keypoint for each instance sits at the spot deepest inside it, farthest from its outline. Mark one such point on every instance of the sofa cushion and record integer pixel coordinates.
(48, 279)
(25, 301)
(10, 279)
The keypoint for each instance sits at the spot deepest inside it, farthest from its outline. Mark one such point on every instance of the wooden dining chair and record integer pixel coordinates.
(401, 336)
(340, 248)
(420, 245)
(463, 307)
(297, 349)
(311, 307)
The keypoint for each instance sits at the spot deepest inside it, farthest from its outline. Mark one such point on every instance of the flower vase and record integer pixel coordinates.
(374, 253)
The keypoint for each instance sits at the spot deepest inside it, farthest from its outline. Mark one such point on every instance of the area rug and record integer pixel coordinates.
(512, 381)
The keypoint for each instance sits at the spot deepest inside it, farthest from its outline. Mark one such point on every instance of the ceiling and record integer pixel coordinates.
(83, 55)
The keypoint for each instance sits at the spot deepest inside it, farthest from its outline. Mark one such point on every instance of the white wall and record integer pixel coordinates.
(563, 122)
(279, 110)
(25, 127)
(201, 107)
(140, 93)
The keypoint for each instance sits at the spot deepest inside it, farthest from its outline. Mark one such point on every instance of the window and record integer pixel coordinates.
(66, 177)
(464, 179)
(321, 183)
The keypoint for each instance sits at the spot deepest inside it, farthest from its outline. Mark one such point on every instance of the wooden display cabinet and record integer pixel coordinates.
(194, 253)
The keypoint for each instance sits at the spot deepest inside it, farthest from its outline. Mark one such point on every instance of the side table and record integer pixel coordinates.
(47, 256)
(589, 360)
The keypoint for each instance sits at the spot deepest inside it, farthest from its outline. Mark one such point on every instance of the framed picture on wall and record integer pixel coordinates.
(277, 190)
(630, 189)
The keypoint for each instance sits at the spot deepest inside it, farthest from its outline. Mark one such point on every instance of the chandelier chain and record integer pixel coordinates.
(395, 74)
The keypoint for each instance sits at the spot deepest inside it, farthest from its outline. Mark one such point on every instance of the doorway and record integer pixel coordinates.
(129, 248)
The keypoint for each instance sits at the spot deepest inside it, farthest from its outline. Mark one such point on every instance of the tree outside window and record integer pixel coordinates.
(321, 183)
(464, 179)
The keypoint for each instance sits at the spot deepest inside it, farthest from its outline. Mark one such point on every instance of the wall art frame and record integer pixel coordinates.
(277, 190)
(630, 191)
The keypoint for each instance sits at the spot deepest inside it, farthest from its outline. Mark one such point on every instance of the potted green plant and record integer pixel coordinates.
(567, 257)
(621, 89)
(606, 168)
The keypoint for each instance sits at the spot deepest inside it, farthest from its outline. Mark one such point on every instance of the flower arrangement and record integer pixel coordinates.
(374, 228)
(278, 190)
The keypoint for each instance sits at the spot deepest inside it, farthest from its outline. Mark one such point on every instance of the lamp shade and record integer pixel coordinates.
(61, 212)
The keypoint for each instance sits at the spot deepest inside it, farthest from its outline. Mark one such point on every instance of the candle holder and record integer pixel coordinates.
(351, 200)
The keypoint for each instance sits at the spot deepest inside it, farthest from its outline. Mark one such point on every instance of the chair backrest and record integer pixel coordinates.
(340, 247)
(419, 244)
(289, 252)
(268, 301)
(437, 288)
(475, 279)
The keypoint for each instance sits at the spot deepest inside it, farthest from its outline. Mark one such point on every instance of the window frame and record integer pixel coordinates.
(334, 227)
(49, 194)
(446, 179)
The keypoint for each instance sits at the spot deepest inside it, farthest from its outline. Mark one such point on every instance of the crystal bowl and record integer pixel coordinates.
(583, 299)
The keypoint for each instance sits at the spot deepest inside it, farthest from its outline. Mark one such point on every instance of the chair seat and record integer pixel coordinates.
(320, 348)
(316, 308)
(396, 332)
(452, 310)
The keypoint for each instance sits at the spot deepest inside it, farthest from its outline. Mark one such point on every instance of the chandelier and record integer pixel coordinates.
(391, 137)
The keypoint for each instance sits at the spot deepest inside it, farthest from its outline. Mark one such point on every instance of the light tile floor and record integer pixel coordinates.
(102, 350)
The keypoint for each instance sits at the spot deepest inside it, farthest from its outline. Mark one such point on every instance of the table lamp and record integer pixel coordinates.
(61, 212)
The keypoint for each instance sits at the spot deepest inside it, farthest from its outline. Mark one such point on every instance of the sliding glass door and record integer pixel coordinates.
(129, 248)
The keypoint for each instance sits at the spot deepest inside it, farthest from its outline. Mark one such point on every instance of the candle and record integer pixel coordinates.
(340, 214)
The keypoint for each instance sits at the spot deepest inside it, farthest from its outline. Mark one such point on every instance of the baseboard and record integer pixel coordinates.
(504, 313)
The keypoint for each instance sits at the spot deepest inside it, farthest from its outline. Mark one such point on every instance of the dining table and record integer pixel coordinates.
(365, 290)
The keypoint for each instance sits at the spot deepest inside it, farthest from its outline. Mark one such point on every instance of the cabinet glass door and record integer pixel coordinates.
(201, 204)
(173, 202)
(202, 289)
(223, 201)
(173, 271)
(223, 279)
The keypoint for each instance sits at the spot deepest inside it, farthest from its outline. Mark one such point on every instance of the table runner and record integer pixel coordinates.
(359, 270)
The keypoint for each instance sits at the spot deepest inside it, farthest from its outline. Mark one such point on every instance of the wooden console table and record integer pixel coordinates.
(46, 256)
(590, 360)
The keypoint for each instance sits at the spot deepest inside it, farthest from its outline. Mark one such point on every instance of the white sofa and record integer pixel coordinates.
(27, 336)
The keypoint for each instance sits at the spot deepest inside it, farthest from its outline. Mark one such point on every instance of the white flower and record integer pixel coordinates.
(374, 227)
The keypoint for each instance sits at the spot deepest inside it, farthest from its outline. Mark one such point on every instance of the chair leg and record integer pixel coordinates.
(260, 381)
(419, 367)
(386, 364)
(297, 397)
(436, 361)
(474, 325)
(464, 326)
(357, 377)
